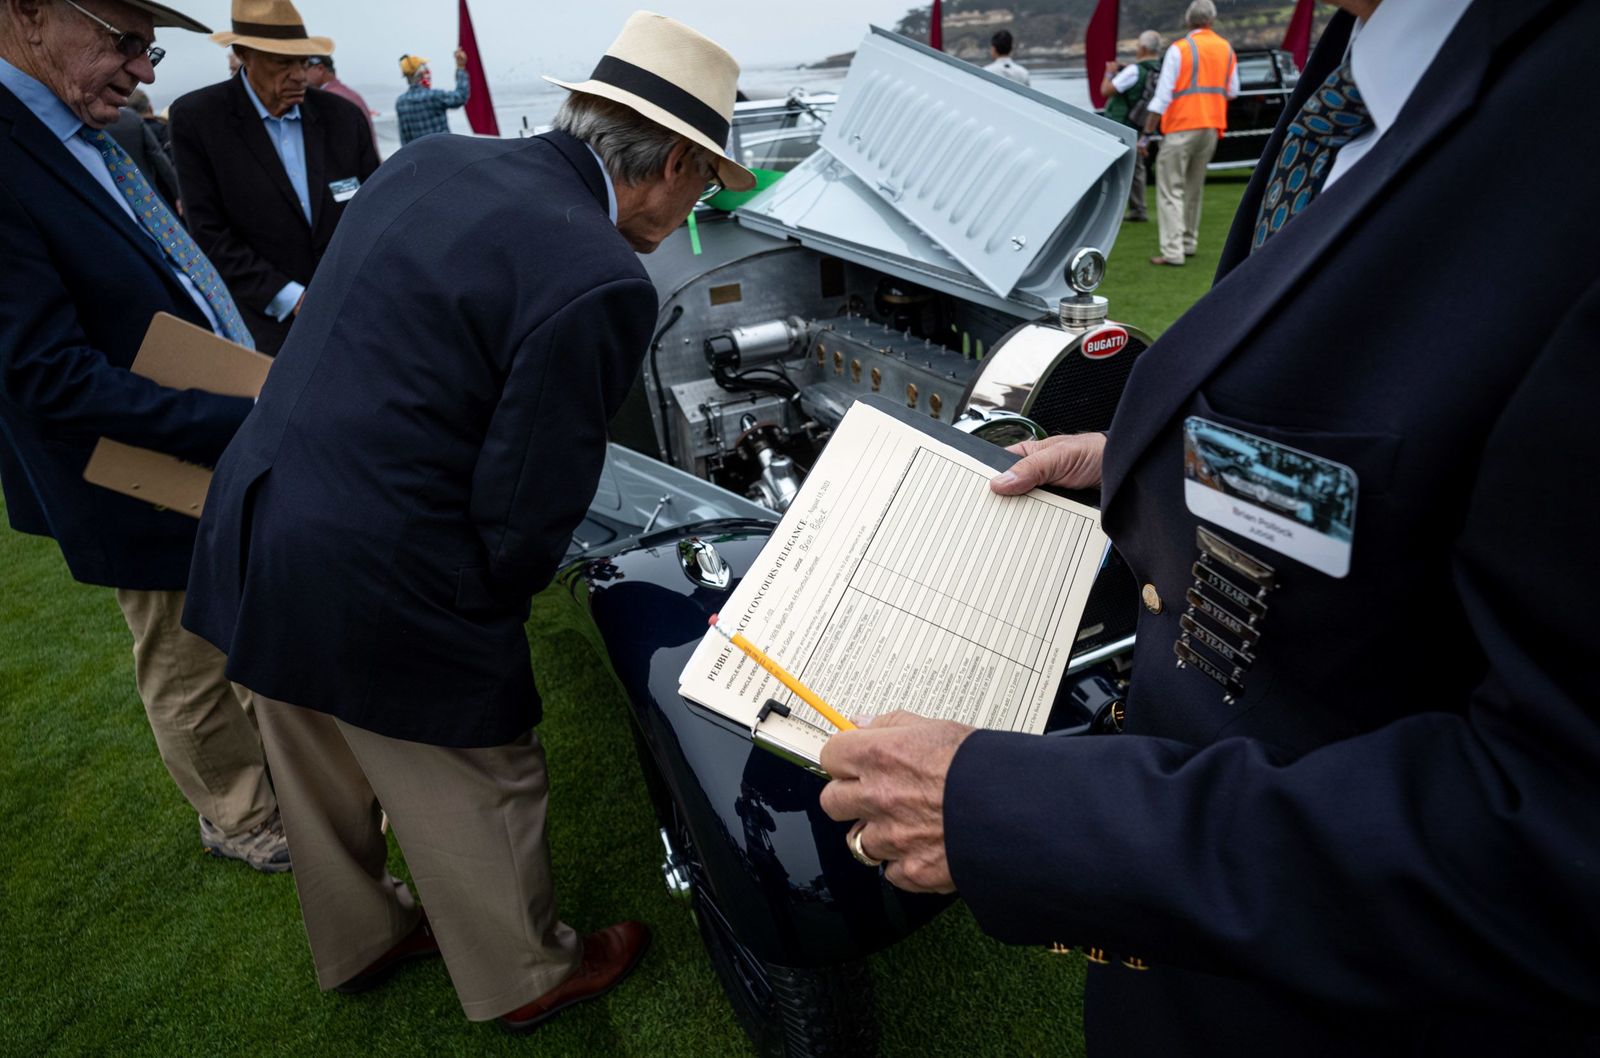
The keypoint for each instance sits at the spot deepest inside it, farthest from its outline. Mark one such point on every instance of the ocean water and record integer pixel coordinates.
(532, 104)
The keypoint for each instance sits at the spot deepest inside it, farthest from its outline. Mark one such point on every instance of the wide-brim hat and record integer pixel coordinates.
(166, 16)
(272, 26)
(678, 79)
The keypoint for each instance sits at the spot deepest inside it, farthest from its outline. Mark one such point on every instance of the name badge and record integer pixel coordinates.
(344, 190)
(1288, 500)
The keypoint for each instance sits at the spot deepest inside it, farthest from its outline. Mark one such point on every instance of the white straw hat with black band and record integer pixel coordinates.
(272, 26)
(677, 78)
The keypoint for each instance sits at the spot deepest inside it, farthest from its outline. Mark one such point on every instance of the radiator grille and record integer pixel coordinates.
(1081, 395)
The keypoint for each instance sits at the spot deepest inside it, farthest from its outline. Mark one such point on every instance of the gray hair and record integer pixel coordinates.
(633, 148)
(1150, 41)
(1200, 13)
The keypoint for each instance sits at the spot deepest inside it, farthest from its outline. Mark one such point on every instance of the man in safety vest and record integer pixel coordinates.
(1198, 77)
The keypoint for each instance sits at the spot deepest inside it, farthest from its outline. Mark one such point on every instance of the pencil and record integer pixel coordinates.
(807, 695)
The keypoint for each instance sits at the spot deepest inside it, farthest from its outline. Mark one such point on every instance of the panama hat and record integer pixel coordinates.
(272, 26)
(678, 79)
(166, 16)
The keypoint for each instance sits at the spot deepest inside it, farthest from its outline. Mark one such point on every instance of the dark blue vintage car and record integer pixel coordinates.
(898, 259)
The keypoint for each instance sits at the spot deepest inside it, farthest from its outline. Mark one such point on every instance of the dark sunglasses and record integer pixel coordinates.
(128, 45)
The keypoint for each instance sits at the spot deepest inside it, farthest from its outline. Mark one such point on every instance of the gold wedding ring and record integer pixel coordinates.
(853, 839)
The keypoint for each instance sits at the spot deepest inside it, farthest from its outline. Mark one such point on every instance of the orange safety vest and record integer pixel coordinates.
(1200, 98)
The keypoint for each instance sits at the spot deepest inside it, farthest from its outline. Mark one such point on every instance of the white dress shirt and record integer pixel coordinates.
(1389, 53)
(1005, 67)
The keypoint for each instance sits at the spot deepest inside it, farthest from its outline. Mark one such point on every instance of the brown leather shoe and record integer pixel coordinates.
(420, 943)
(608, 957)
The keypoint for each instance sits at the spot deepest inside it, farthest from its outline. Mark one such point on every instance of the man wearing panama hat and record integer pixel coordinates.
(268, 168)
(428, 440)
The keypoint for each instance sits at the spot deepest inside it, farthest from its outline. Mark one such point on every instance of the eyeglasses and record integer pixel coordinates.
(128, 45)
(714, 186)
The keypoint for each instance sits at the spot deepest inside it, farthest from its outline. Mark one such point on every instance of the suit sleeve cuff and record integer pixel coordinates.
(280, 307)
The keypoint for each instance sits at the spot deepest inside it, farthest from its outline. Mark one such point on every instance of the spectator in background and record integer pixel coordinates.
(1000, 46)
(266, 168)
(91, 256)
(139, 103)
(320, 73)
(1198, 77)
(1128, 92)
(421, 108)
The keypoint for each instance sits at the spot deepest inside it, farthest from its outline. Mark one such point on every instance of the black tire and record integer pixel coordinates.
(786, 1012)
(790, 1012)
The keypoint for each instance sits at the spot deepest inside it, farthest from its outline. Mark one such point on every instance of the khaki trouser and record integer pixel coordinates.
(1180, 184)
(471, 823)
(204, 725)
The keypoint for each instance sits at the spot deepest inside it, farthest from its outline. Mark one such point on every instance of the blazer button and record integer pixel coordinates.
(1152, 599)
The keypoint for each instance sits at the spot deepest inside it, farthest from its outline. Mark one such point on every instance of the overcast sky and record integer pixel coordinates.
(521, 40)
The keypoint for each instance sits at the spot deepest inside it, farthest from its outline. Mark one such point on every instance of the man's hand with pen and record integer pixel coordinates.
(889, 774)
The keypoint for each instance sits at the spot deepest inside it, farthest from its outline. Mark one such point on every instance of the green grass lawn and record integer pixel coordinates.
(118, 937)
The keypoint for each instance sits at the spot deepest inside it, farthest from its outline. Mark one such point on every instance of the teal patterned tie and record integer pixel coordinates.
(169, 234)
(1332, 117)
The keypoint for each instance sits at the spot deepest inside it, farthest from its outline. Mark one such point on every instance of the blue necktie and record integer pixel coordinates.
(169, 234)
(1331, 117)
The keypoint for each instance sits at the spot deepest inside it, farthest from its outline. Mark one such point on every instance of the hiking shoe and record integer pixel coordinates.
(263, 848)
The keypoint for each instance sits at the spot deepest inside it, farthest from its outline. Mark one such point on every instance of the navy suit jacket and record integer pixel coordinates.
(428, 439)
(1390, 843)
(238, 199)
(82, 282)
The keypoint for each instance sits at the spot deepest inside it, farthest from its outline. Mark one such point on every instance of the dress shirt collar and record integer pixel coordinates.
(56, 115)
(611, 189)
(1394, 47)
(292, 114)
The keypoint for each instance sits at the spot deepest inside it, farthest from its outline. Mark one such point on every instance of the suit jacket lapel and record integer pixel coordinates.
(248, 124)
(314, 131)
(31, 135)
(1204, 337)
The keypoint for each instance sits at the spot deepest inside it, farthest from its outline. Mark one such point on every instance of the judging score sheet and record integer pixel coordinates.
(898, 580)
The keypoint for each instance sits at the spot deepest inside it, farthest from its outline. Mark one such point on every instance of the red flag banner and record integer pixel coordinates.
(1297, 41)
(1100, 47)
(936, 27)
(480, 107)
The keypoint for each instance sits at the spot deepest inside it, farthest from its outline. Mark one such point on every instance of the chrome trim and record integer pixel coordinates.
(702, 565)
(1099, 654)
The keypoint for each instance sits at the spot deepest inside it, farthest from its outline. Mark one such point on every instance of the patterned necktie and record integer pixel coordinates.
(1332, 117)
(169, 234)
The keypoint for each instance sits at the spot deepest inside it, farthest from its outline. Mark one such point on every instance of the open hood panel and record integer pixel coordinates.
(955, 178)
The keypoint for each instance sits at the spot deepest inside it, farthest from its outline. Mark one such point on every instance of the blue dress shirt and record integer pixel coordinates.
(288, 137)
(64, 124)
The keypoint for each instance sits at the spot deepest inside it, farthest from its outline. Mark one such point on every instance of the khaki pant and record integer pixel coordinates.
(204, 725)
(1180, 184)
(471, 823)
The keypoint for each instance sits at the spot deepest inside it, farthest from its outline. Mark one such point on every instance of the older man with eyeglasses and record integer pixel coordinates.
(267, 167)
(91, 255)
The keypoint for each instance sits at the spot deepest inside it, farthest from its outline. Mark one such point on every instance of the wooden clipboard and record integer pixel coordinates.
(180, 355)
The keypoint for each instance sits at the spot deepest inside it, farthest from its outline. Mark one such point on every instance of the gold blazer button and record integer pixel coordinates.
(1152, 599)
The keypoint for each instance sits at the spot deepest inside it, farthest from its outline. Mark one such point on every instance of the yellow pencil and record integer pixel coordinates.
(807, 695)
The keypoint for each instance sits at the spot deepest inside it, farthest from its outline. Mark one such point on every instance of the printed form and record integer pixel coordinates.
(898, 580)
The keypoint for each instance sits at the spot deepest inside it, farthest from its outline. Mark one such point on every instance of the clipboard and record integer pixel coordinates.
(179, 355)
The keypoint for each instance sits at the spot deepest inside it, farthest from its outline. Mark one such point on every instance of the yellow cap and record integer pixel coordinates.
(410, 64)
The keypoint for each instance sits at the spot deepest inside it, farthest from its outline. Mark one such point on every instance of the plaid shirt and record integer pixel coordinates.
(421, 111)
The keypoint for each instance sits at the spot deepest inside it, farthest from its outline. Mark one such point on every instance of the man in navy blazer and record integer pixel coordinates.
(84, 274)
(1379, 833)
(430, 436)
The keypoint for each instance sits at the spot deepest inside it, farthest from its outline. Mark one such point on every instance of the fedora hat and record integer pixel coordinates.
(166, 16)
(272, 26)
(675, 77)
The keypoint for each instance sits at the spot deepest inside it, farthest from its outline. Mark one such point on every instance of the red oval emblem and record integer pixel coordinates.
(1107, 341)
